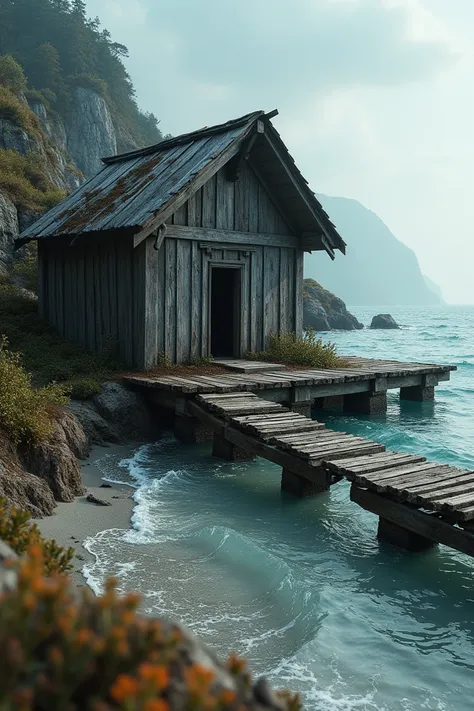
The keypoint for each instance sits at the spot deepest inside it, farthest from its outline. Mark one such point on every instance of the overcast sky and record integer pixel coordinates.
(375, 99)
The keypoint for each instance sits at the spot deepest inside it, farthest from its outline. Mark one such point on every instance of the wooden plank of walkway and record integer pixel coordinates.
(274, 427)
(411, 480)
(359, 370)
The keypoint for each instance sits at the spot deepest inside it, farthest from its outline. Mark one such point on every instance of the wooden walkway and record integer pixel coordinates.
(361, 387)
(360, 370)
(419, 503)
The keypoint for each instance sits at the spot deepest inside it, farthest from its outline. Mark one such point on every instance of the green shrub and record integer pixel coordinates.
(25, 411)
(306, 350)
(20, 534)
(11, 74)
(17, 112)
(23, 179)
(198, 361)
(164, 361)
(34, 96)
(84, 388)
(88, 81)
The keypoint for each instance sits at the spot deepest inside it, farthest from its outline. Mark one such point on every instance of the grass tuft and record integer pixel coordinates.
(306, 350)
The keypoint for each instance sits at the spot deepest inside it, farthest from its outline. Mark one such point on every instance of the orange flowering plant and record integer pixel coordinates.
(74, 651)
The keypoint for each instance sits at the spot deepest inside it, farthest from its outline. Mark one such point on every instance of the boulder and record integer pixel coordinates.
(97, 430)
(314, 315)
(125, 411)
(324, 311)
(384, 321)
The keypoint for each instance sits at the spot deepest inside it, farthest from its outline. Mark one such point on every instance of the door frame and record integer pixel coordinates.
(237, 336)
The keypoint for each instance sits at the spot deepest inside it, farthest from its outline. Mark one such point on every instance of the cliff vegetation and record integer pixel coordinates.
(60, 49)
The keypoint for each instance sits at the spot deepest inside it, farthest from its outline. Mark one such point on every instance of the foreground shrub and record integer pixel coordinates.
(306, 350)
(97, 653)
(20, 534)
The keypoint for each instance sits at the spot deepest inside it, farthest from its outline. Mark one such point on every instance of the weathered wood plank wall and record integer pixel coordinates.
(98, 295)
(244, 206)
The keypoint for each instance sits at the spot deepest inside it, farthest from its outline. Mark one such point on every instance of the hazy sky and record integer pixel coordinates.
(376, 99)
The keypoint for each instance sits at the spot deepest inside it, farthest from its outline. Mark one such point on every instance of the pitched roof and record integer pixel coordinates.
(141, 189)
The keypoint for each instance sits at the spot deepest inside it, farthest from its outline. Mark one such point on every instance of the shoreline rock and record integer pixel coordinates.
(323, 311)
(384, 321)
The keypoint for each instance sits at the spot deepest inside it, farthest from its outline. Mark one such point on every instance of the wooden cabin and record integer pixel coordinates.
(188, 248)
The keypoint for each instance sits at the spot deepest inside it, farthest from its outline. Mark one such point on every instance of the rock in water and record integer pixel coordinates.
(324, 311)
(384, 321)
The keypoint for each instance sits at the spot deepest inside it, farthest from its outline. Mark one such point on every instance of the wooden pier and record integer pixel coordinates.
(419, 503)
(361, 388)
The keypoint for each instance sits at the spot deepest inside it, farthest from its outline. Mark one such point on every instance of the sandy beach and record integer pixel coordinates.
(73, 522)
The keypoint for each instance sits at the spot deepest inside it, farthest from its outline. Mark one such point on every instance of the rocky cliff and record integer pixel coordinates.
(62, 152)
(90, 133)
(378, 269)
(324, 311)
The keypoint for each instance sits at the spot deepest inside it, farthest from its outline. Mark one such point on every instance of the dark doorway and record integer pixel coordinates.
(225, 312)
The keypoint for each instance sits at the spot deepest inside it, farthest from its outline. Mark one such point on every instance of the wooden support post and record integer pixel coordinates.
(402, 537)
(369, 403)
(299, 486)
(423, 392)
(301, 400)
(418, 393)
(302, 408)
(190, 431)
(223, 449)
(408, 528)
(334, 402)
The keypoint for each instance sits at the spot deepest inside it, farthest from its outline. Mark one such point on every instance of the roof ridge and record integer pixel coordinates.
(184, 138)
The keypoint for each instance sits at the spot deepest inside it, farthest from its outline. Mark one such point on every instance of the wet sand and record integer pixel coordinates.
(73, 522)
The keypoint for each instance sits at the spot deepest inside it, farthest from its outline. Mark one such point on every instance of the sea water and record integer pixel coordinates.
(302, 587)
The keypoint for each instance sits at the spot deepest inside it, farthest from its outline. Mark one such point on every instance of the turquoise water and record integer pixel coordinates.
(302, 587)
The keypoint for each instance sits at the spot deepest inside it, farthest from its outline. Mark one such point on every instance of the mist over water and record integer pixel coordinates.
(302, 587)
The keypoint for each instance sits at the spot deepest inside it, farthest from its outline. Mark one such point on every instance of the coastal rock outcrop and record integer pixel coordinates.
(323, 311)
(22, 489)
(124, 410)
(9, 231)
(56, 460)
(384, 321)
(90, 132)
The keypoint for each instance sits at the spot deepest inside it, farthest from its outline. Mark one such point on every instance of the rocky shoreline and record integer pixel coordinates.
(324, 311)
(38, 478)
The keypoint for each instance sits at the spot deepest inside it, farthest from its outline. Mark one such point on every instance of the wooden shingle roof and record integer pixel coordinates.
(140, 190)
